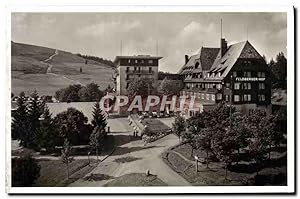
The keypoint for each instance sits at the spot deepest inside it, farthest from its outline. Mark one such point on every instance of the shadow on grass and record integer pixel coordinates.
(253, 167)
(125, 150)
(126, 159)
(124, 139)
(97, 177)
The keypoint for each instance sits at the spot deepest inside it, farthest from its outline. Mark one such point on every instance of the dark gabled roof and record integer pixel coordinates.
(207, 57)
(189, 66)
(234, 52)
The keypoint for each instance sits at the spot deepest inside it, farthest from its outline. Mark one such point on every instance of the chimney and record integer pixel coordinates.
(186, 58)
(223, 46)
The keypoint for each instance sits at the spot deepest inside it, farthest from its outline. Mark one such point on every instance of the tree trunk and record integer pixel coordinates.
(68, 174)
(226, 171)
(207, 159)
(192, 152)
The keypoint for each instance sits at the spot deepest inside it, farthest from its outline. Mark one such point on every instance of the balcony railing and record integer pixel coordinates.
(146, 72)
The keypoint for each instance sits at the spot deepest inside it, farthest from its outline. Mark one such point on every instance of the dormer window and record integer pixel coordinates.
(207, 74)
(219, 74)
(196, 65)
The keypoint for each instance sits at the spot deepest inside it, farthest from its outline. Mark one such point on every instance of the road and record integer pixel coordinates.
(49, 69)
(142, 158)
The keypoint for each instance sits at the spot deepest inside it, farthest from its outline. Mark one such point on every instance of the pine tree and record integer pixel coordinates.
(35, 111)
(19, 127)
(48, 135)
(99, 118)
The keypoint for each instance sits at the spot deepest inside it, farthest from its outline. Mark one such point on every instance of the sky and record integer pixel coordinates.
(173, 34)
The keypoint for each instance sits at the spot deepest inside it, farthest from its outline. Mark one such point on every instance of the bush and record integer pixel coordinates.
(25, 171)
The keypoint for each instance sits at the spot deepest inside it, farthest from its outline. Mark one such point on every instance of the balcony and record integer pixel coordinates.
(139, 72)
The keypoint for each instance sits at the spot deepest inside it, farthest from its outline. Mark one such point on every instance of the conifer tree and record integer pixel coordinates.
(66, 157)
(35, 111)
(99, 118)
(19, 127)
(48, 135)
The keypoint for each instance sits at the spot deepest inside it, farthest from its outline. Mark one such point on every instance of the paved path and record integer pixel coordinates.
(144, 157)
(49, 69)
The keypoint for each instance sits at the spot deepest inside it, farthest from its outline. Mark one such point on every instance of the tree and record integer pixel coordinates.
(139, 87)
(179, 126)
(97, 138)
(35, 111)
(240, 130)
(69, 94)
(25, 171)
(90, 93)
(259, 138)
(48, 135)
(22, 94)
(19, 125)
(72, 125)
(224, 144)
(170, 87)
(205, 142)
(66, 157)
(279, 70)
(99, 118)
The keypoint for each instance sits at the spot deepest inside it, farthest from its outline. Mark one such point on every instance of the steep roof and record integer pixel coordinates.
(239, 50)
(205, 57)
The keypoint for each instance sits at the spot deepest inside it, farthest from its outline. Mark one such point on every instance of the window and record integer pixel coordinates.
(261, 74)
(236, 98)
(127, 77)
(150, 69)
(207, 96)
(219, 96)
(127, 85)
(207, 74)
(134, 68)
(142, 61)
(247, 98)
(261, 86)
(136, 61)
(219, 86)
(227, 85)
(213, 98)
(202, 96)
(219, 74)
(150, 61)
(247, 74)
(129, 61)
(234, 74)
(236, 86)
(127, 69)
(247, 86)
(226, 98)
(196, 65)
(261, 98)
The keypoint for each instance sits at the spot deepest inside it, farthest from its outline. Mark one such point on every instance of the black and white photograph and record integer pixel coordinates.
(150, 100)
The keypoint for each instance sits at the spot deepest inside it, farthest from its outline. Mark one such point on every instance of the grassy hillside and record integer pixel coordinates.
(29, 66)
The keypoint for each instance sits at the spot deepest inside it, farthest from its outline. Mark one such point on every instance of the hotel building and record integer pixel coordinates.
(135, 67)
(236, 74)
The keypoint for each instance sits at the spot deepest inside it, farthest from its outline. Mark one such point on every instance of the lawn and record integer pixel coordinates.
(134, 180)
(53, 172)
(273, 171)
